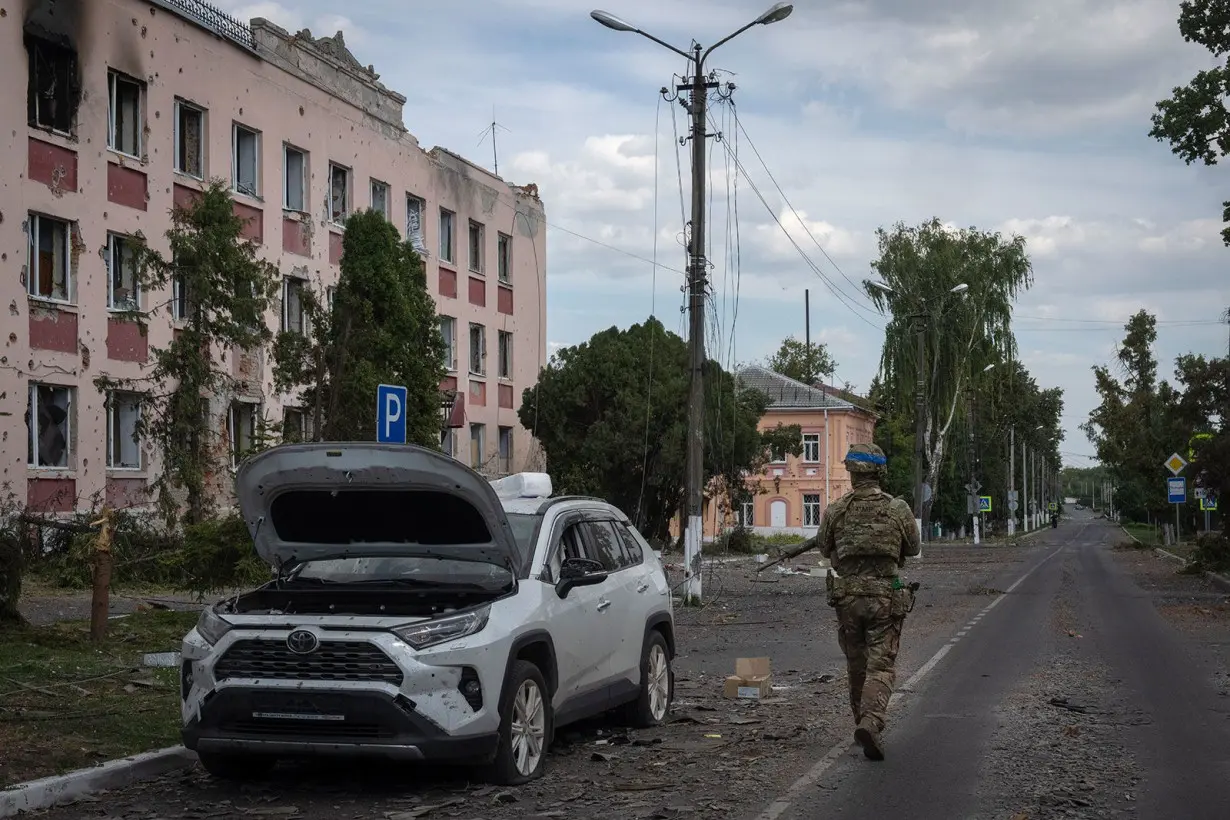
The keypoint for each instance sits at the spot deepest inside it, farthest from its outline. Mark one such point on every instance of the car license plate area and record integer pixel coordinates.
(296, 706)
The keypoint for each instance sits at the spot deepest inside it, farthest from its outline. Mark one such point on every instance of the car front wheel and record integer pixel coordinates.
(653, 706)
(525, 727)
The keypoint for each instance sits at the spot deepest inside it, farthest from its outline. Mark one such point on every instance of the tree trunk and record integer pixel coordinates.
(11, 561)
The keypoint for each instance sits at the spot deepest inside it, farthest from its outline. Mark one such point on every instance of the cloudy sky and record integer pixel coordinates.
(1019, 117)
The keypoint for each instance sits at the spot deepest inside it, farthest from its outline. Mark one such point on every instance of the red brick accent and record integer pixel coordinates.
(127, 341)
(183, 196)
(53, 165)
(51, 494)
(506, 396)
(478, 393)
(448, 283)
(127, 186)
(126, 492)
(295, 237)
(478, 291)
(448, 383)
(335, 248)
(504, 300)
(53, 329)
(253, 221)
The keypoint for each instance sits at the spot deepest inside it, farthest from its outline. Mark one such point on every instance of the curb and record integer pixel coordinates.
(1220, 581)
(114, 774)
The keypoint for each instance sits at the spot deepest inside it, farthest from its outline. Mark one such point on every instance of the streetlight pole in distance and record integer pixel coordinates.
(921, 321)
(697, 88)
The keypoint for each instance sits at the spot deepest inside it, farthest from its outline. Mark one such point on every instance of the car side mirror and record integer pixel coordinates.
(579, 572)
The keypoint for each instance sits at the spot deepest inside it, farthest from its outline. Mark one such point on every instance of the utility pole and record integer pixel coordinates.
(697, 89)
(973, 487)
(1012, 502)
(920, 408)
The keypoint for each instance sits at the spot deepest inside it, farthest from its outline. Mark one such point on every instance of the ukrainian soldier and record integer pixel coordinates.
(867, 535)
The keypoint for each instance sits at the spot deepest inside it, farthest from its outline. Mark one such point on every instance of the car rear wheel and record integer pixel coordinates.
(236, 766)
(525, 727)
(653, 706)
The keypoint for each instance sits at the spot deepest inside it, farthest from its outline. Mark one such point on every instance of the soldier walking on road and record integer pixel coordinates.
(867, 534)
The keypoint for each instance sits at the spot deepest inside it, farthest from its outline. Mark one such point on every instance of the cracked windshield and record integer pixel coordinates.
(685, 410)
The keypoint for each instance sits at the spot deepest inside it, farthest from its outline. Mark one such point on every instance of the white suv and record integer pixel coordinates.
(420, 612)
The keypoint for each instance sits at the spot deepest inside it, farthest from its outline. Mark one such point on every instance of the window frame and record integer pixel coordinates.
(476, 255)
(112, 420)
(503, 258)
(478, 457)
(115, 241)
(448, 253)
(812, 505)
(450, 341)
(252, 407)
(505, 461)
(180, 106)
(815, 438)
(114, 79)
(304, 423)
(35, 221)
(289, 148)
(416, 237)
(347, 195)
(69, 75)
(289, 283)
(32, 442)
(236, 128)
(481, 349)
(504, 350)
(373, 185)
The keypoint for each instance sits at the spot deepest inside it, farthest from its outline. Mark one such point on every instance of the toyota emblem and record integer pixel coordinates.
(302, 642)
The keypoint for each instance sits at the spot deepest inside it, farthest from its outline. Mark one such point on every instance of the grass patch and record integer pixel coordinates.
(66, 703)
(1144, 533)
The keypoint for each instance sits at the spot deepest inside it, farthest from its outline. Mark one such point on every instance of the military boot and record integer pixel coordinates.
(868, 737)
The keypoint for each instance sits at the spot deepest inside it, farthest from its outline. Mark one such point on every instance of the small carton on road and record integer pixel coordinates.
(751, 679)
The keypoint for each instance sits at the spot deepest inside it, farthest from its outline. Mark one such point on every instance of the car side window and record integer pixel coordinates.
(631, 545)
(606, 545)
(571, 545)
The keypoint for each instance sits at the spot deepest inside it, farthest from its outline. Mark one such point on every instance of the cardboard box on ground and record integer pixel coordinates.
(751, 679)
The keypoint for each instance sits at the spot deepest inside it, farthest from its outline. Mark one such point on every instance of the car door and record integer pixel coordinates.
(577, 622)
(625, 591)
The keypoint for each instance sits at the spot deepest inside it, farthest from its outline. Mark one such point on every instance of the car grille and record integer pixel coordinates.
(333, 660)
(305, 729)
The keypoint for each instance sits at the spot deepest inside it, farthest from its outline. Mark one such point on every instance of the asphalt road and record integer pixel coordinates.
(1068, 696)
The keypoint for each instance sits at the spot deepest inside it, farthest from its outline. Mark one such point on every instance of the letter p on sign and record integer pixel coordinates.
(391, 413)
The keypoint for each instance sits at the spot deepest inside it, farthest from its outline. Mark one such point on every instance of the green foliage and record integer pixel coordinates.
(382, 328)
(963, 333)
(743, 541)
(12, 568)
(611, 414)
(1212, 554)
(220, 555)
(797, 361)
(228, 290)
(1195, 120)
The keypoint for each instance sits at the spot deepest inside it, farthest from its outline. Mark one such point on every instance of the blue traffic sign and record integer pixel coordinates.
(984, 503)
(1176, 490)
(391, 413)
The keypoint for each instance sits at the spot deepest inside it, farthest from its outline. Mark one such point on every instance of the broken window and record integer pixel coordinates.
(294, 425)
(49, 419)
(123, 426)
(53, 92)
(476, 246)
(503, 258)
(51, 270)
(330, 297)
(124, 114)
(505, 344)
(339, 193)
(294, 171)
(380, 198)
(245, 160)
(123, 290)
(189, 139)
(241, 429)
(414, 223)
(811, 510)
(293, 319)
(448, 331)
(506, 450)
(478, 349)
(448, 442)
(477, 445)
(446, 235)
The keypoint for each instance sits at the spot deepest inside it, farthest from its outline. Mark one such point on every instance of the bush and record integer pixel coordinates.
(218, 554)
(1212, 554)
(746, 542)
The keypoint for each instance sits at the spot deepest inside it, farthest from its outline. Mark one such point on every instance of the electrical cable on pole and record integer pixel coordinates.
(697, 88)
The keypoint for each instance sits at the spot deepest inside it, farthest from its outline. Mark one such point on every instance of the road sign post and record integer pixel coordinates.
(1176, 493)
(391, 413)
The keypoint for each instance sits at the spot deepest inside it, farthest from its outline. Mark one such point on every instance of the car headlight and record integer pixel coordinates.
(429, 633)
(211, 626)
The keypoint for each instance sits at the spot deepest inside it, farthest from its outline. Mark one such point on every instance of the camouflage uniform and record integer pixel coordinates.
(867, 534)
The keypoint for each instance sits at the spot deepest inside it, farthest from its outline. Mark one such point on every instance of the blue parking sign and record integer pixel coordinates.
(391, 413)
(1176, 490)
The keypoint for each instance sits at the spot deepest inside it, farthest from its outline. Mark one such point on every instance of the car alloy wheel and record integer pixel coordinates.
(659, 683)
(529, 728)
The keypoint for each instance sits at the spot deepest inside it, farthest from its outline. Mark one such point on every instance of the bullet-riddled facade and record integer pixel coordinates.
(117, 109)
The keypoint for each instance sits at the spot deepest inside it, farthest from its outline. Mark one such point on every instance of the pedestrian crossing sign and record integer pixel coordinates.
(1208, 504)
(984, 503)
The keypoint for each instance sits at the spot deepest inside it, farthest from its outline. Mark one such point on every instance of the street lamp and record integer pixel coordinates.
(697, 87)
(921, 320)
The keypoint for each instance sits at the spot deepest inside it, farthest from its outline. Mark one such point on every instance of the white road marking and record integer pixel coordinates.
(813, 775)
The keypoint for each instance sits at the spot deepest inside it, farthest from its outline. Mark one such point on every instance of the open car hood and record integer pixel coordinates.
(320, 500)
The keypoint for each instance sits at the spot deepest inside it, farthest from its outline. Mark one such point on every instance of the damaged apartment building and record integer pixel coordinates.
(132, 106)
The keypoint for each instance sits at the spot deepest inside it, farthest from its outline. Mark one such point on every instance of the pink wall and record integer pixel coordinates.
(356, 123)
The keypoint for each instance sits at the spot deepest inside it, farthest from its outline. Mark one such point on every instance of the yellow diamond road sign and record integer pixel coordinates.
(1175, 463)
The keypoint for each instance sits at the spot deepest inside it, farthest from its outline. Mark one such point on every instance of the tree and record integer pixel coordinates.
(225, 291)
(381, 328)
(1195, 119)
(800, 362)
(921, 266)
(611, 414)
